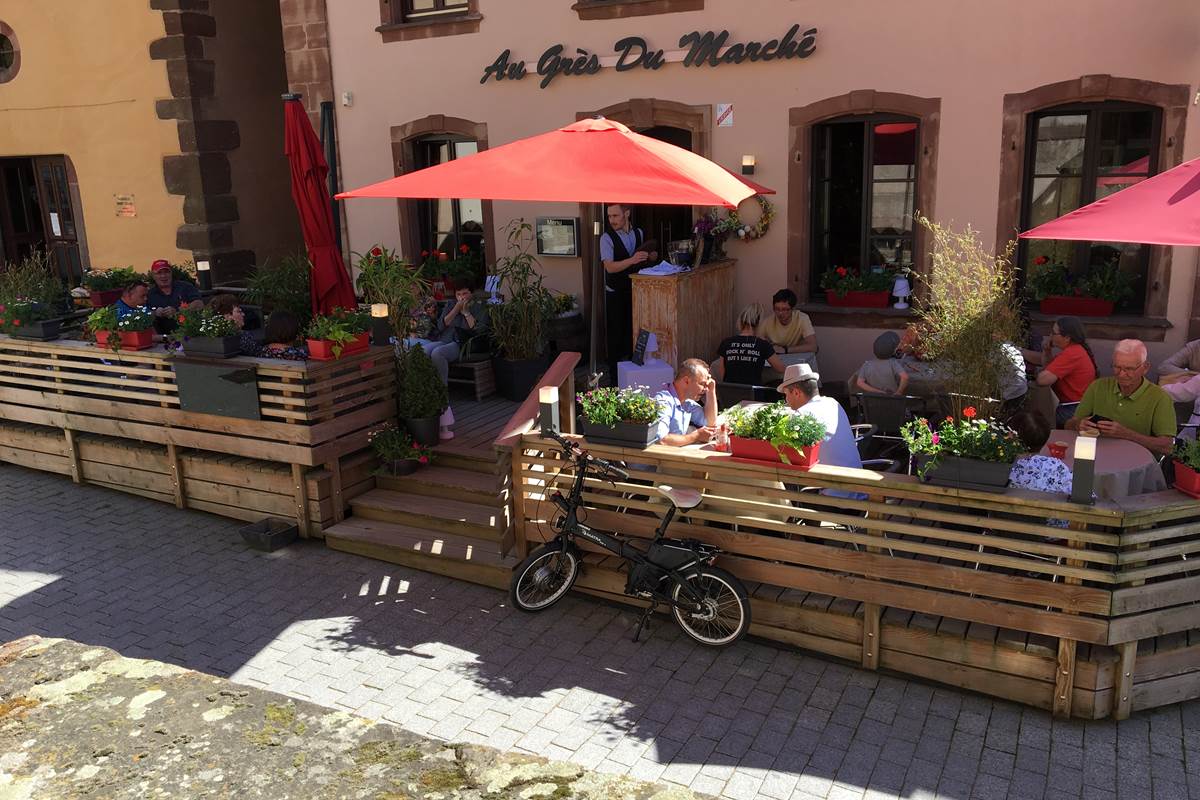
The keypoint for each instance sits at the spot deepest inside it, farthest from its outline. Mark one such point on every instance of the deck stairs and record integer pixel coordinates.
(448, 518)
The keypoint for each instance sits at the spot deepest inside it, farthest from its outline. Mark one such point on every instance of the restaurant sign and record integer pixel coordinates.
(707, 49)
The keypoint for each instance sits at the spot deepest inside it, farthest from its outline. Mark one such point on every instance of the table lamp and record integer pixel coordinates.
(548, 408)
(902, 290)
(381, 329)
(1083, 474)
(203, 276)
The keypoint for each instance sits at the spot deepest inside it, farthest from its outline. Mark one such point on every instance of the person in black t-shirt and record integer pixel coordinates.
(743, 357)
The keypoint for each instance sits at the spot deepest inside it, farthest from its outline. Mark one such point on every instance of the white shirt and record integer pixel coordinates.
(838, 448)
(1187, 391)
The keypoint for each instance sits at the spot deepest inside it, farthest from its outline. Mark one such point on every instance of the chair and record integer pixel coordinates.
(888, 413)
(730, 394)
(1064, 412)
(863, 434)
(473, 368)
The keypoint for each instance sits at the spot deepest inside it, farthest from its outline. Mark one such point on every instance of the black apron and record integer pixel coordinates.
(618, 303)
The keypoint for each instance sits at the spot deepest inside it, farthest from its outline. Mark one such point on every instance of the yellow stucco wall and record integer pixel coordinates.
(86, 89)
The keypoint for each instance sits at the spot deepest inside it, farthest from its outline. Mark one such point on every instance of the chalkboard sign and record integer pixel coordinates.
(639, 349)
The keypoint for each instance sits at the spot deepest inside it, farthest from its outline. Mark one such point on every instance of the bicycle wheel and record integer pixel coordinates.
(543, 577)
(726, 614)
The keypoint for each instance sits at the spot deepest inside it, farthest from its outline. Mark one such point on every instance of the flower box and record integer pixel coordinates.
(130, 340)
(1187, 480)
(215, 346)
(968, 473)
(323, 349)
(104, 297)
(270, 534)
(854, 299)
(1062, 305)
(43, 330)
(623, 434)
(762, 451)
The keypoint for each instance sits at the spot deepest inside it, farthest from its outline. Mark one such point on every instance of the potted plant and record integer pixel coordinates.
(134, 331)
(623, 417)
(520, 324)
(1187, 467)
(201, 332)
(384, 277)
(28, 319)
(856, 289)
(400, 455)
(774, 433)
(966, 452)
(421, 397)
(105, 286)
(282, 285)
(464, 269)
(1095, 293)
(342, 332)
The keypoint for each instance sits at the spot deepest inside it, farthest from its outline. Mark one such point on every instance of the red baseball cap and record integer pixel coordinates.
(160, 264)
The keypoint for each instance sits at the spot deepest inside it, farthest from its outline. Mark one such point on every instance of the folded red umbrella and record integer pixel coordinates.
(1164, 209)
(590, 161)
(329, 285)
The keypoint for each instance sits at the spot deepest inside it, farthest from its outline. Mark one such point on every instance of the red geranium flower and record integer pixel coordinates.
(462, 248)
(969, 412)
(182, 318)
(17, 323)
(375, 251)
(1040, 260)
(424, 254)
(1, 308)
(841, 271)
(949, 419)
(423, 459)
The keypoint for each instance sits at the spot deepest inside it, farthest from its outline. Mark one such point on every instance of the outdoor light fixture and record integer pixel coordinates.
(747, 165)
(381, 330)
(548, 408)
(903, 290)
(203, 275)
(1084, 469)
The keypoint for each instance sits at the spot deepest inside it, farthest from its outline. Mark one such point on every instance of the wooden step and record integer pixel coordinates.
(444, 554)
(468, 458)
(451, 483)
(431, 513)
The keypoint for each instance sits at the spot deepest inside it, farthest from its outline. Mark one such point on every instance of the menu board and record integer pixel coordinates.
(558, 236)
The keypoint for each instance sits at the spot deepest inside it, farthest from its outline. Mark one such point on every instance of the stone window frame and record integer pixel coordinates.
(801, 120)
(1172, 102)
(620, 9)
(404, 160)
(393, 28)
(8, 74)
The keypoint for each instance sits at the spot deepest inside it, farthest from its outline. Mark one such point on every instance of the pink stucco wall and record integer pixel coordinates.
(969, 55)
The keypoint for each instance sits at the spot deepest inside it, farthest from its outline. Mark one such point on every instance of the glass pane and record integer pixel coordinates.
(422, 5)
(1125, 142)
(1058, 148)
(891, 207)
(64, 201)
(470, 211)
(895, 150)
(465, 149)
(1114, 183)
(7, 55)
(1053, 197)
(890, 250)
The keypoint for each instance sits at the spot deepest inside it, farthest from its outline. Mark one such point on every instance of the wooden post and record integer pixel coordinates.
(870, 642)
(300, 484)
(73, 454)
(176, 475)
(1064, 678)
(518, 502)
(335, 470)
(163, 367)
(1122, 699)
(566, 404)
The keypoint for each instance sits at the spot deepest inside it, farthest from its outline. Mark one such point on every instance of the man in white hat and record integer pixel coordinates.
(799, 388)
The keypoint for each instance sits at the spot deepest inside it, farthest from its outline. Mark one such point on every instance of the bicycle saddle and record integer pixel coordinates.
(681, 498)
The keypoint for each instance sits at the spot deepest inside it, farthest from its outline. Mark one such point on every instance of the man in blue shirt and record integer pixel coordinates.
(132, 298)
(678, 410)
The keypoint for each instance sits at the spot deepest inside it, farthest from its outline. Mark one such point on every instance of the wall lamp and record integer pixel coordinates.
(747, 165)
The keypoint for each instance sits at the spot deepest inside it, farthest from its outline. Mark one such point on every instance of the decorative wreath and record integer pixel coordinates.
(733, 224)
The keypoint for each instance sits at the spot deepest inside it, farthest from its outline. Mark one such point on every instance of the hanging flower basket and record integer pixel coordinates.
(758, 451)
(1062, 305)
(858, 299)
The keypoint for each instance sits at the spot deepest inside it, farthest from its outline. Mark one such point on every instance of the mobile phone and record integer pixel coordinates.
(1094, 418)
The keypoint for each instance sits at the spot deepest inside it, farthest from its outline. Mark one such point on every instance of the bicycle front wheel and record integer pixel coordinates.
(543, 577)
(724, 615)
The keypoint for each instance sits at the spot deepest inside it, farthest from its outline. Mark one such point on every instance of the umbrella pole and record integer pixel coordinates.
(598, 298)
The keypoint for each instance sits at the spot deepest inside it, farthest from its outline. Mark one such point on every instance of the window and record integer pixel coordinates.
(1078, 154)
(864, 183)
(445, 224)
(10, 54)
(619, 9)
(420, 10)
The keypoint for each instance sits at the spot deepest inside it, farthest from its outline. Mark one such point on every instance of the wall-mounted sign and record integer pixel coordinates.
(724, 115)
(125, 206)
(708, 49)
(558, 236)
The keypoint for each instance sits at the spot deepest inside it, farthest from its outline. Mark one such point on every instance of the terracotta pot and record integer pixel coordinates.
(1187, 480)
(859, 299)
(107, 297)
(1076, 306)
(130, 340)
(759, 450)
(323, 349)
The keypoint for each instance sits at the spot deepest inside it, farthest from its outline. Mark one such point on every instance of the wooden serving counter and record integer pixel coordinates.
(689, 312)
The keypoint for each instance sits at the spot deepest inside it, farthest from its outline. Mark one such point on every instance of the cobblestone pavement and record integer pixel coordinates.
(451, 660)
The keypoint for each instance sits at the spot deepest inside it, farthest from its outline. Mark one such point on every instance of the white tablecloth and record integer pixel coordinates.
(651, 375)
(1123, 468)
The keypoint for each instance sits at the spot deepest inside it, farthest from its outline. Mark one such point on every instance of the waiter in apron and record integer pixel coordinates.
(620, 256)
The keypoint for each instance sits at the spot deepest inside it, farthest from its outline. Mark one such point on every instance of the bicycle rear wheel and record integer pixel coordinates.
(725, 616)
(544, 577)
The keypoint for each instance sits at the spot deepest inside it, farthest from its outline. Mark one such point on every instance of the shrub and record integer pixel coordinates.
(109, 279)
(421, 391)
(519, 324)
(777, 424)
(609, 405)
(384, 277)
(31, 279)
(282, 285)
(393, 444)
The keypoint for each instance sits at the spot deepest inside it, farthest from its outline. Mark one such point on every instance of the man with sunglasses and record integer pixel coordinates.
(1127, 406)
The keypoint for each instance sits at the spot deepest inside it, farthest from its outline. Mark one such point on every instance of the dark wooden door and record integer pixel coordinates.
(60, 222)
(22, 228)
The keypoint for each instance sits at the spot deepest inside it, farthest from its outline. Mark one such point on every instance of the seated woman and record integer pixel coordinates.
(742, 357)
(1070, 372)
(227, 306)
(280, 338)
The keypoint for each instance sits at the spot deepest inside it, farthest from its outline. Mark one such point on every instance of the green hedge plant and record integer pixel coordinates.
(421, 393)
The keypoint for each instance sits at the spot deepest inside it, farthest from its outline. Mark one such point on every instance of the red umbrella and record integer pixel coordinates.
(1164, 209)
(590, 161)
(329, 284)
(757, 187)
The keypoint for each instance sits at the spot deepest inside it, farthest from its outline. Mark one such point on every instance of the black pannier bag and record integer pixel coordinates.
(663, 555)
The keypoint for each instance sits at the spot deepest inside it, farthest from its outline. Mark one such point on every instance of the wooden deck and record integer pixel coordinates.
(477, 423)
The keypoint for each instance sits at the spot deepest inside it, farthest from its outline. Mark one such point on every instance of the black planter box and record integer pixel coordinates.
(215, 346)
(43, 330)
(969, 473)
(623, 434)
(515, 379)
(270, 534)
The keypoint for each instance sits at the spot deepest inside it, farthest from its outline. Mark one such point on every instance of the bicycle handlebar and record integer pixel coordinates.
(574, 451)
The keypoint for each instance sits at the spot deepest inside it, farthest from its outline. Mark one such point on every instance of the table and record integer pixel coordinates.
(652, 375)
(1123, 468)
(690, 312)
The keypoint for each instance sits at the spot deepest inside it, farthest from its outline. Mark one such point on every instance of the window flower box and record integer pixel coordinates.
(43, 330)
(1063, 305)
(967, 473)
(856, 299)
(105, 297)
(622, 434)
(130, 340)
(323, 349)
(761, 451)
(1187, 480)
(213, 346)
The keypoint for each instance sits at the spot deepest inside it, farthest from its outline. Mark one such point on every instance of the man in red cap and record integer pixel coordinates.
(168, 296)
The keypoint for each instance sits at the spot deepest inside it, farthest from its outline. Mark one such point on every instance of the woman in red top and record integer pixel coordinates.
(1070, 372)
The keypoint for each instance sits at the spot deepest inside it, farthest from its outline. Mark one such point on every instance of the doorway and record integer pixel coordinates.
(37, 212)
(665, 223)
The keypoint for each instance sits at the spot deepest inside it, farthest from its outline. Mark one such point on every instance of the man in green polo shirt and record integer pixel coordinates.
(1133, 407)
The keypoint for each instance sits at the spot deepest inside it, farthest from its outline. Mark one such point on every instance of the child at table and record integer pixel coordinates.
(1032, 470)
(883, 374)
